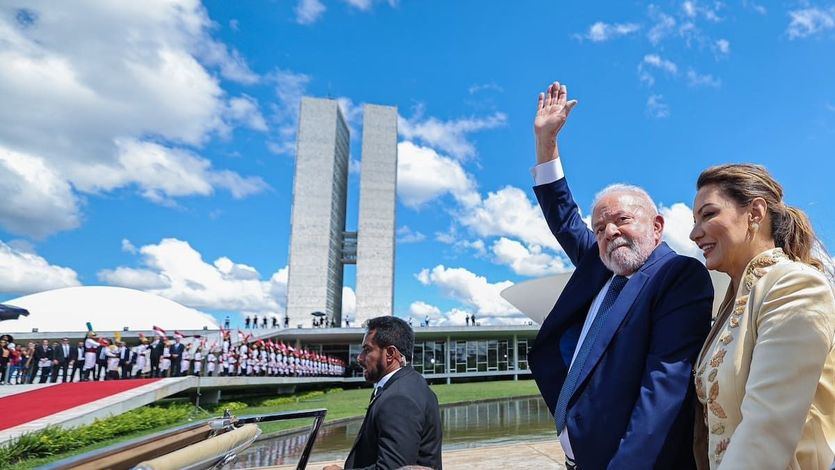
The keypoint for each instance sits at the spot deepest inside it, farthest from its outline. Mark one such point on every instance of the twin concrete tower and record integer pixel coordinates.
(319, 244)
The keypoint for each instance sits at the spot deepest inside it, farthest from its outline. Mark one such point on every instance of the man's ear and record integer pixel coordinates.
(658, 227)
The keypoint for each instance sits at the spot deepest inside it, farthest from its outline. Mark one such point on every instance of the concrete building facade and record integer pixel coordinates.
(318, 216)
(319, 245)
(376, 229)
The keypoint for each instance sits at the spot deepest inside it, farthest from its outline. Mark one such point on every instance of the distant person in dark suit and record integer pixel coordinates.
(126, 360)
(157, 347)
(77, 360)
(61, 360)
(42, 360)
(402, 424)
(177, 350)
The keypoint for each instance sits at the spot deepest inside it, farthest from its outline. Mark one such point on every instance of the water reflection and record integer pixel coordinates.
(504, 421)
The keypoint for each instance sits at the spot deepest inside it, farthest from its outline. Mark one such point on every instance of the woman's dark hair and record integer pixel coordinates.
(393, 331)
(790, 227)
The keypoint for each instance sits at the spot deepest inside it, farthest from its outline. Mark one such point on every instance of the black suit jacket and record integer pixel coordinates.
(41, 353)
(59, 354)
(402, 426)
(156, 351)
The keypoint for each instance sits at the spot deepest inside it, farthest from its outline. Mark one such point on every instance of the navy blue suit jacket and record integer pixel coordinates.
(633, 405)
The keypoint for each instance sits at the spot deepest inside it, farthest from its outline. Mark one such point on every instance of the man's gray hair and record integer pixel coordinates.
(646, 200)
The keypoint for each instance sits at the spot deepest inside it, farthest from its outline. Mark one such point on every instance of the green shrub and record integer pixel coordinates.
(292, 398)
(54, 440)
(231, 406)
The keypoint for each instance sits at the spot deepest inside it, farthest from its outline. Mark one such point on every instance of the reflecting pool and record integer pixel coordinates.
(495, 422)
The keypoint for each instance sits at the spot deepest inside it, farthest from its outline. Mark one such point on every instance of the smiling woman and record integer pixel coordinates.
(766, 375)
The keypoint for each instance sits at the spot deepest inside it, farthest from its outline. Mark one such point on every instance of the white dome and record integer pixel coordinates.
(106, 308)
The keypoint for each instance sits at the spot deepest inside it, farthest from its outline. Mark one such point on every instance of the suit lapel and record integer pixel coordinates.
(401, 372)
(620, 310)
(568, 306)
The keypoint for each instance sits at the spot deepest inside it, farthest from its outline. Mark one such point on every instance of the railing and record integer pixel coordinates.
(129, 454)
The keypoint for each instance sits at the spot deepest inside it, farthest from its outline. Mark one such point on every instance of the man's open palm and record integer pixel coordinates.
(552, 110)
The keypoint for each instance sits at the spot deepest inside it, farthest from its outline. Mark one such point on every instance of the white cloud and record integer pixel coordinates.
(508, 212)
(308, 11)
(471, 289)
(450, 137)
(128, 247)
(689, 8)
(349, 302)
(24, 272)
(600, 31)
(421, 309)
(755, 6)
(71, 94)
(722, 47)
(352, 114)
(141, 279)
(37, 201)
(407, 235)
(423, 175)
(527, 261)
(696, 79)
(692, 9)
(365, 5)
(657, 108)
(175, 270)
(289, 89)
(678, 222)
(654, 61)
(663, 26)
(478, 88)
(244, 109)
(810, 21)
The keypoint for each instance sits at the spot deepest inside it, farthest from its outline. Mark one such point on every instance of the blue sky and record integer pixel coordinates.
(151, 146)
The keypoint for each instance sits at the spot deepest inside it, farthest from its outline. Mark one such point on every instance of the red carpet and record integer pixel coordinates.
(21, 408)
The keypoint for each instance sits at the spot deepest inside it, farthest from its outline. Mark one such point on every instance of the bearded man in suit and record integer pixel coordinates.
(402, 424)
(613, 358)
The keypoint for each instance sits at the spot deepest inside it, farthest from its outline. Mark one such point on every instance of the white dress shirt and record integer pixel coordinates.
(546, 173)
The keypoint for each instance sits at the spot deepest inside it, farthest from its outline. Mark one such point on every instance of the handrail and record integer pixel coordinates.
(212, 425)
(318, 416)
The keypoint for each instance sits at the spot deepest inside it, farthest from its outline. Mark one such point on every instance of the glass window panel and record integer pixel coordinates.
(472, 356)
(492, 355)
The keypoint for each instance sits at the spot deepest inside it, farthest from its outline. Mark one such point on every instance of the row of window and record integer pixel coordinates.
(469, 356)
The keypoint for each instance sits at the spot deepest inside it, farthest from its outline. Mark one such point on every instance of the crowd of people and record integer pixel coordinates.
(112, 359)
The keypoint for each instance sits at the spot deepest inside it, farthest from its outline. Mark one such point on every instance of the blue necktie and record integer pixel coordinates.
(570, 383)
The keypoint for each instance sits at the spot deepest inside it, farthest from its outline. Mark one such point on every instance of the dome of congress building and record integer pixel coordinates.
(106, 308)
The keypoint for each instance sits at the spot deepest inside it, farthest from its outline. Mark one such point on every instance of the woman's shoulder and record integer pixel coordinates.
(789, 273)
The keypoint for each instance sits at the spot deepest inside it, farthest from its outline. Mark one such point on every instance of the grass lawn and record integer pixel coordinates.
(352, 403)
(339, 403)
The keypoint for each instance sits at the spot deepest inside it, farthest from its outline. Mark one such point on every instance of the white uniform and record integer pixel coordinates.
(211, 360)
(90, 346)
(198, 362)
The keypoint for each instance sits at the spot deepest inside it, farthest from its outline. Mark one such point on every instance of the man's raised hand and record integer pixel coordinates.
(552, 111)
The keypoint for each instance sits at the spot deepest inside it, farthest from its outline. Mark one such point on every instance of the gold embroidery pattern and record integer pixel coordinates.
(714, 407)
(734, 322)
(726, 340)
(756, 268)
(718, 357)
(721, 447)
(718, 429)
(712, 376)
